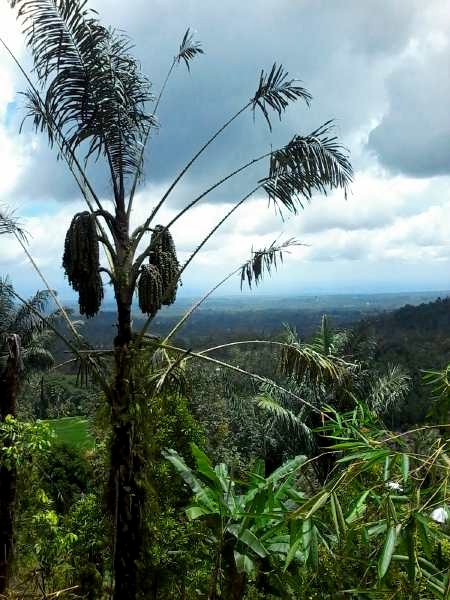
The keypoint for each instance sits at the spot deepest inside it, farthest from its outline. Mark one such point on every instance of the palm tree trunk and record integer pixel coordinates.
(127, 497)
(9, 386)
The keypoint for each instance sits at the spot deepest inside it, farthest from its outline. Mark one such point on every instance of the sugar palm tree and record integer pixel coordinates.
(23, 350)
(92, 98)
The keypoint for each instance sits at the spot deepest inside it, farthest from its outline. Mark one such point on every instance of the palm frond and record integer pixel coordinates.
(9, 224)
(26, 320)
(7, 309)
(389, 391)
(36, 356)
(323, 341)
(263, 261)
(268, 403)
(284, 422)
(303, 363)
(189, 49)
(170, 379)
(275, 91)
(93, 87)
(307, 164)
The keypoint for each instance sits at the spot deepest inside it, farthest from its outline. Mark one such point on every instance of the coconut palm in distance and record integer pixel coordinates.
(92, 97)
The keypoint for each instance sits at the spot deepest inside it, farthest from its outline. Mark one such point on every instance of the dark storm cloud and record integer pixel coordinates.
(339, 49)
(414, 135)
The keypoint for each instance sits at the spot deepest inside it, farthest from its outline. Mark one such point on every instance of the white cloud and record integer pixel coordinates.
(391, 226)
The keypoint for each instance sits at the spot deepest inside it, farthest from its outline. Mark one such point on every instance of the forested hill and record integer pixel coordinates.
(417, 331)
(224, 319)
(417, 337)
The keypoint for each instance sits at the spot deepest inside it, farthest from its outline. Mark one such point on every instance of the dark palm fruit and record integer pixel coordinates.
(81, 262)
(150, 290)
(163, 256)
(161, 240)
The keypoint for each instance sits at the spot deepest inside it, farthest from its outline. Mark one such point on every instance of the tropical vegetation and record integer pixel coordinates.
(260, 468)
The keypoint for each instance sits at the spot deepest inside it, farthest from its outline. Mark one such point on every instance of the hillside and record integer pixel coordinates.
(417, 337)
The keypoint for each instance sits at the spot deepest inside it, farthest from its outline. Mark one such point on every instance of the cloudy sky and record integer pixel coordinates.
(380, 68)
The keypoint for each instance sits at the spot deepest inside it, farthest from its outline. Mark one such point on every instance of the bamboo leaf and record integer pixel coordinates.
(312, 505)
(338, 516)
(388, 550)
(359, 508)
(405, 467)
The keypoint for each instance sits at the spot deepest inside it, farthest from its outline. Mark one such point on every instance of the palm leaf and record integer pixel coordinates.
(10, 225)
(7, 309)
(323, 341)
(308, 164)
(389, 390)
(275, 91)
(26, 320)
(263, 261)
(189, 49)
(93, 87)
(304, 363)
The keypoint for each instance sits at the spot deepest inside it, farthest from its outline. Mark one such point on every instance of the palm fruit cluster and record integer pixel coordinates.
(81, 262)
(158, 281)
(150, 290)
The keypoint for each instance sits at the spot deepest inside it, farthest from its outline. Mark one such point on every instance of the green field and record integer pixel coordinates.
(73, 431)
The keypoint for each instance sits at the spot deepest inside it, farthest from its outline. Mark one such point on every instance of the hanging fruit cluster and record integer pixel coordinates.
(81, 262)
(158, 282)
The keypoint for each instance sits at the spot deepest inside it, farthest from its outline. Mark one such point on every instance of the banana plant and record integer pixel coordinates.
(246, 521)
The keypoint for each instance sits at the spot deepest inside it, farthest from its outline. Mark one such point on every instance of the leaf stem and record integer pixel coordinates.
(194, 158)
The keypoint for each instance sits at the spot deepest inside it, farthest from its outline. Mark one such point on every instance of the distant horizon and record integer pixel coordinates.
(405, 297)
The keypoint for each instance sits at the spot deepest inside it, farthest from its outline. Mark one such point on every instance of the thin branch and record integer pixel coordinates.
(245, 267)
(194, 307)
(145, 140)
(140, 231)
(189, 354)
(107, 271)
(244, 342)
(215, 228)
(63, 364)
(187, 51)
(47, 285)
(194, 158)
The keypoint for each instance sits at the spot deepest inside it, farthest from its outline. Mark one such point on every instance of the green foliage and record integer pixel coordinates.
(245, 520)
(68, 475)
(87, 519)
(168, 537)
(368, 531)
(440, 390)
(19, 442)
(61, 525)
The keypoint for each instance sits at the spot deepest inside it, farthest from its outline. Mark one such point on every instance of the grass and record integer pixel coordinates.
(73, 431)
